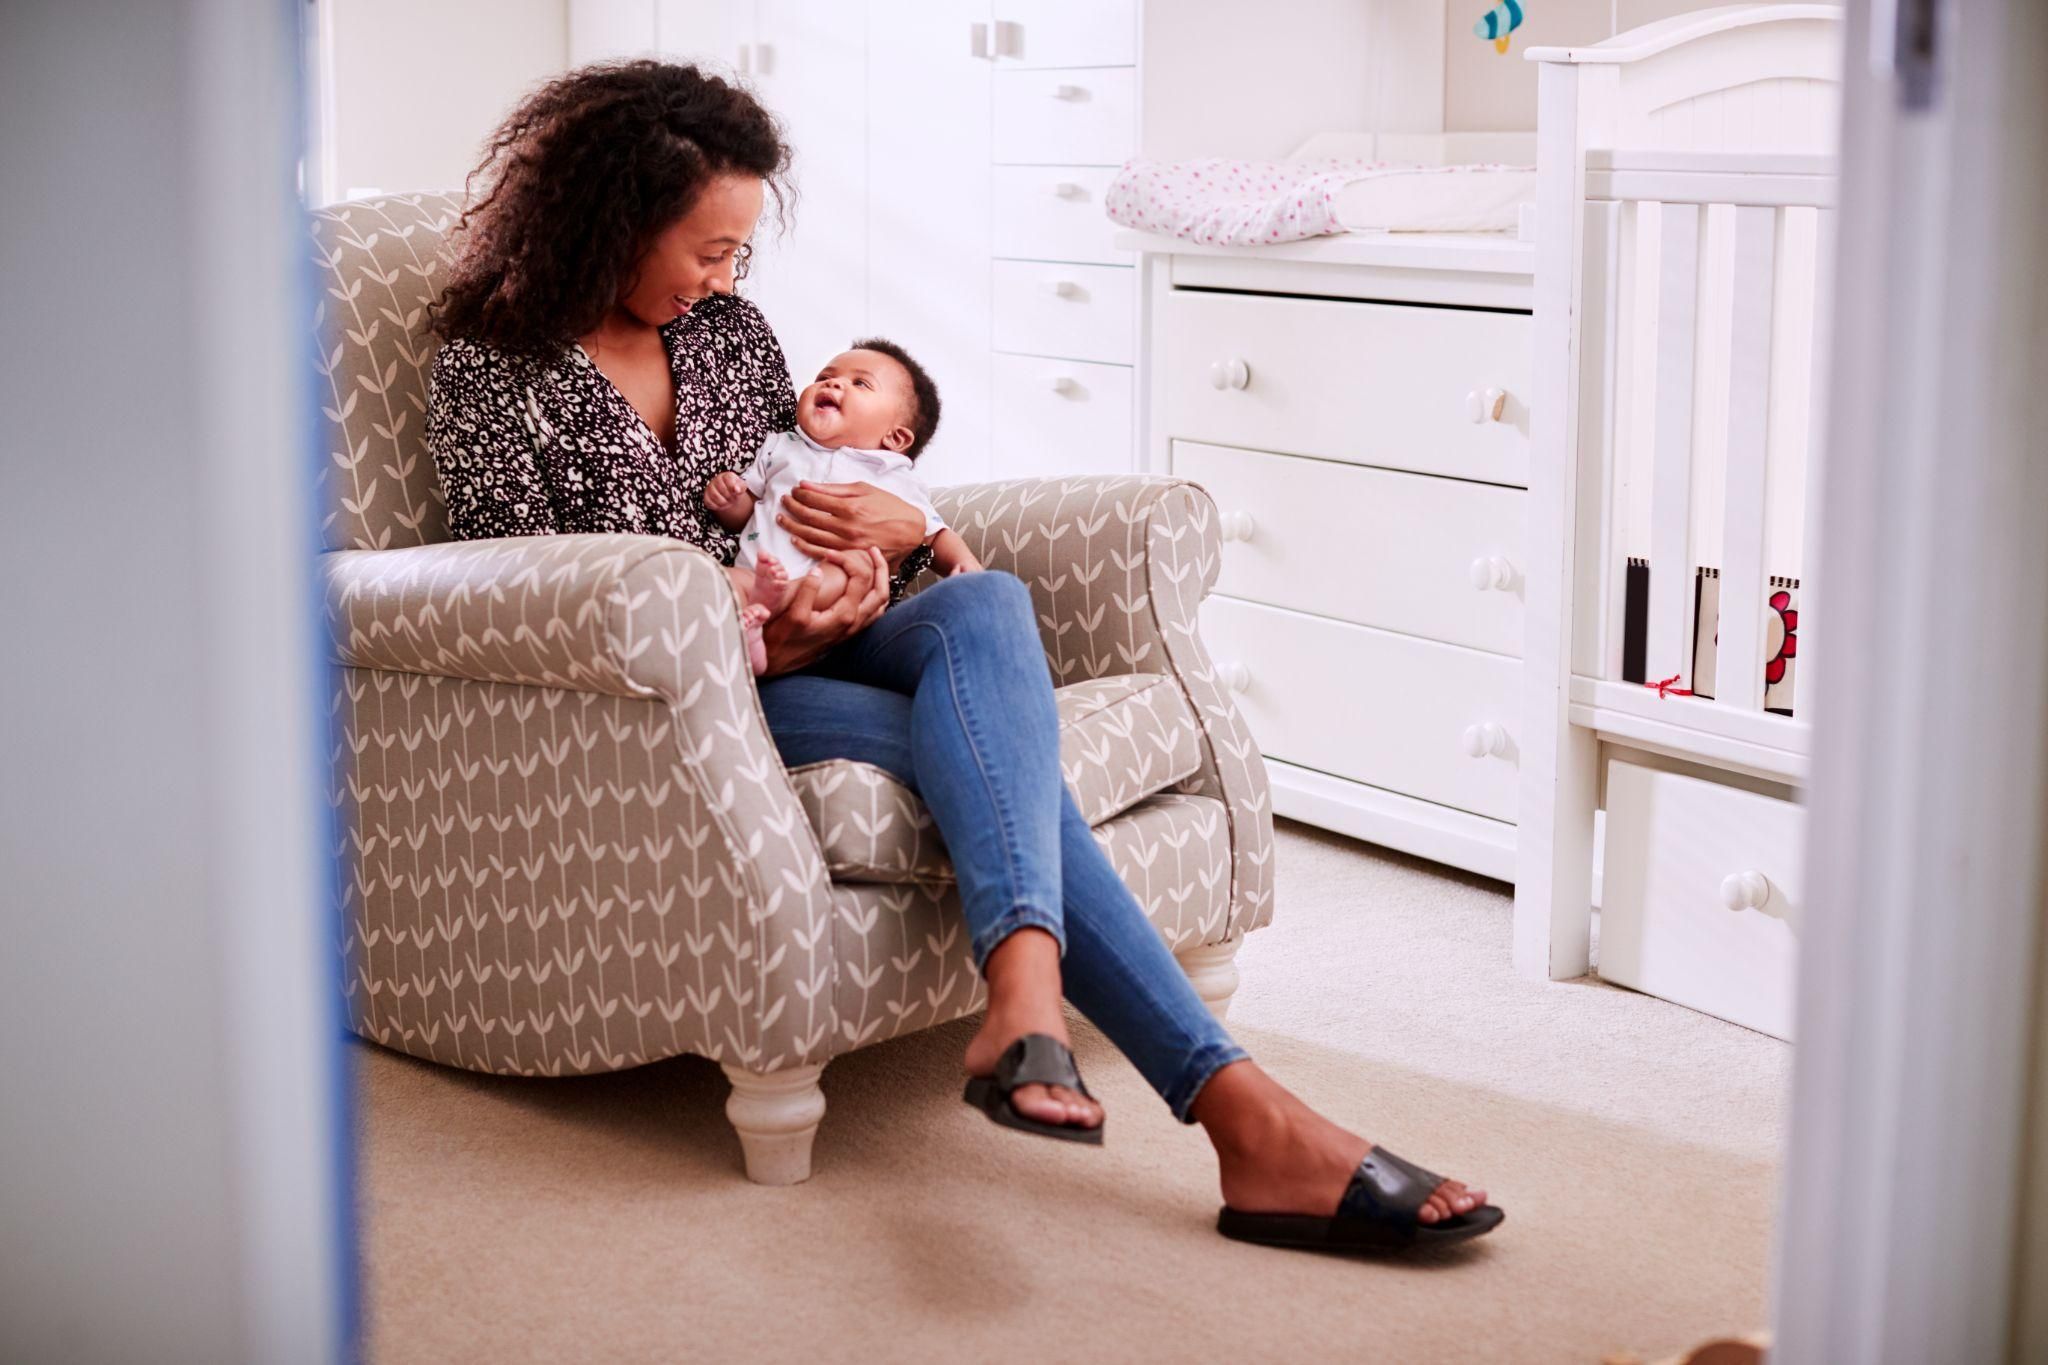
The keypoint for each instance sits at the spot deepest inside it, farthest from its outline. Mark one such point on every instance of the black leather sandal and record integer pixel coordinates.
(1378, 1213)
(1034, 1059)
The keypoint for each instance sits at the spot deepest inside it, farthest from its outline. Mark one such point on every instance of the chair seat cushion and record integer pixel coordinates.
(1121, 740)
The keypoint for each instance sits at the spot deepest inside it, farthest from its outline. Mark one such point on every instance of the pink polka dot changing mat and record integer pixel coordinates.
(1258, 203)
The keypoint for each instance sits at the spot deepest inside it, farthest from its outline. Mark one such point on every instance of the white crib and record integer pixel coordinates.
(1686, 177)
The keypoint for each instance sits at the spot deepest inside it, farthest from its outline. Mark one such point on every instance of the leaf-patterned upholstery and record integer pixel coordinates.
(566, 841)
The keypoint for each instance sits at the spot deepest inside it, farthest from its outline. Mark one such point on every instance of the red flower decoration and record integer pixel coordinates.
(1787, 630)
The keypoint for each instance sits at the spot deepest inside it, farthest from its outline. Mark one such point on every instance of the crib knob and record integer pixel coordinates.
(1064, 386)
(1745, 890)
(1486, 405)
(1063, 289)
(1235, 525)
(1067, 189)
(1485, 740)
(1491, 572)
(1235, 676)
(1069, 92)
(1229, 374)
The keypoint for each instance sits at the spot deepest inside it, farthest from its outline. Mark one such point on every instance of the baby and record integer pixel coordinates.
(865, 419)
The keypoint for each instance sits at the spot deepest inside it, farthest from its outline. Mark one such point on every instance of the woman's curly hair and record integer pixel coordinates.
(578, 180)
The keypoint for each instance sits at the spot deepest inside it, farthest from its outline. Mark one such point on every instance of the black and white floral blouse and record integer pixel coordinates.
(529, 447)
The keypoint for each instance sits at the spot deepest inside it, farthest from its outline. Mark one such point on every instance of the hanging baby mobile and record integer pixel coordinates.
(1498, 22)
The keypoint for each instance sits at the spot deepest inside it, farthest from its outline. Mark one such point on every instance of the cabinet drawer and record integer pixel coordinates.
(1083, 117)
(1056, 417)
(1035, 33)
(1439, 558)
(1394, 385)
(1054, 213)
(1085, 312)
(1681, 852)
(1389, 710)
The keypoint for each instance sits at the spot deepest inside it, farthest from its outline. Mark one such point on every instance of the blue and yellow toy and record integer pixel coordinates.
(1498, 22)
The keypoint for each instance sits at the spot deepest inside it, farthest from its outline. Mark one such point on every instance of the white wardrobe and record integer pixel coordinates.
(950, 159)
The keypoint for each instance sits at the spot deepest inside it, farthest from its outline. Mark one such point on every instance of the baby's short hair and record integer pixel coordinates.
(924, 407)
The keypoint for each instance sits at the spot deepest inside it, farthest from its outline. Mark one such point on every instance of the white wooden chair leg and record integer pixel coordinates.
(776, 1114)
(1212, 970)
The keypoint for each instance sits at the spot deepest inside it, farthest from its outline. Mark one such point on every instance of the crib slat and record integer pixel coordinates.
(1810, 584)
(1597, 577)
(1671, 567)
(1739, 664)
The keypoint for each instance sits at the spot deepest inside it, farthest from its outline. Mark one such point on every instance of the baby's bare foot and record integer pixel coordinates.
(752, 617)
(771, 584)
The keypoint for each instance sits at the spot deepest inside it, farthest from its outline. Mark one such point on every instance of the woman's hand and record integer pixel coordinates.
(803, 631)
(821, 517)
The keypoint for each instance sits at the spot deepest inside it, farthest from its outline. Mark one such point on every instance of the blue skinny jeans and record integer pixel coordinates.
(949, 693)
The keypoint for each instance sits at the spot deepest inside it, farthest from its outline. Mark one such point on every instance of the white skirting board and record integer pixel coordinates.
(1423, 828)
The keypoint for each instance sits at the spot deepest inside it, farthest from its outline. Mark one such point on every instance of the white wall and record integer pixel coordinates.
(414, 86)
(1485, 91)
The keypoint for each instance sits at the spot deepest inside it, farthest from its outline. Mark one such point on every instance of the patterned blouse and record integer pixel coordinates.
(539, 447)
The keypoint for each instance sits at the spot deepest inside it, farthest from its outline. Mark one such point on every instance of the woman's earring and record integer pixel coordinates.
(740, 256)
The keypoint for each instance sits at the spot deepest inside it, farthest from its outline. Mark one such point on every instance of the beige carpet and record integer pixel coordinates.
(1633, 1144)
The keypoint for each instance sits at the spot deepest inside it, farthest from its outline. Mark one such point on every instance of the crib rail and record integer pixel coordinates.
(1698, 425)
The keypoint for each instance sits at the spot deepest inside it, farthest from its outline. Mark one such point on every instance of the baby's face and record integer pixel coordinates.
(861, 399)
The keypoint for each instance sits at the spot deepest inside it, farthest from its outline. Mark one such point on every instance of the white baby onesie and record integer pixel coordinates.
(788, 457)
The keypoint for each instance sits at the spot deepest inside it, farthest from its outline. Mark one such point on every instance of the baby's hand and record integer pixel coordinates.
(724, 490)
(968, 567)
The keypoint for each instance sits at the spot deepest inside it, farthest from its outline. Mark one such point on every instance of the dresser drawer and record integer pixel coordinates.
(1394, 385)
(1439, 558)
(1057, 417)
(1699, 893)
(1384, 709)
(1083, 117)
(1035, 33)
(1054, 213)
(1085, 312)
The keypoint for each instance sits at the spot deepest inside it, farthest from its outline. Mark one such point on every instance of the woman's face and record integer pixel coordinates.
(692, 258)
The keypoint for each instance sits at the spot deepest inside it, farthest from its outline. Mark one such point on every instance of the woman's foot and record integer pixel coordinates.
(1277, 1155)
(1023, 974)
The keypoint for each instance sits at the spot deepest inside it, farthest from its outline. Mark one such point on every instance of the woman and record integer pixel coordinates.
(599, 371)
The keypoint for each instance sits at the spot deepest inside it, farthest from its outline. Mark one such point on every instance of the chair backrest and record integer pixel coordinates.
(377, 263)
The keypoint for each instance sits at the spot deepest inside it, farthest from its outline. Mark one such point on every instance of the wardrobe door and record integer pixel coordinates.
(716, 34)
(810, 276)
(606, 30)
(928, 216)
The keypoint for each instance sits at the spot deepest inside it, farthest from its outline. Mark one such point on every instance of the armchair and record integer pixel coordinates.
(567, 843)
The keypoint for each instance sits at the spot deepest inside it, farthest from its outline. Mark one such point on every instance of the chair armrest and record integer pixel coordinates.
(646, 618)
(586, 613)
(1115, 563)
(1118, 566)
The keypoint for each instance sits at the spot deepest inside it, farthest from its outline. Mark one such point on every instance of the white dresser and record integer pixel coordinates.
(1358, 408)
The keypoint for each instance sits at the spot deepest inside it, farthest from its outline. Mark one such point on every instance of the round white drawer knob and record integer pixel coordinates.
(1063, 289)
(1064, 386)
(1235, 525)
(1235, 676)
(1067, 189)
(1069, 92)
(1491, 573)
(1229, 374)
(1485, 740)
(1745, 890)
(1486, 405)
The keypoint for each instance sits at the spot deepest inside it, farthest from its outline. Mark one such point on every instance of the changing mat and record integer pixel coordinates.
(1257, 203)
